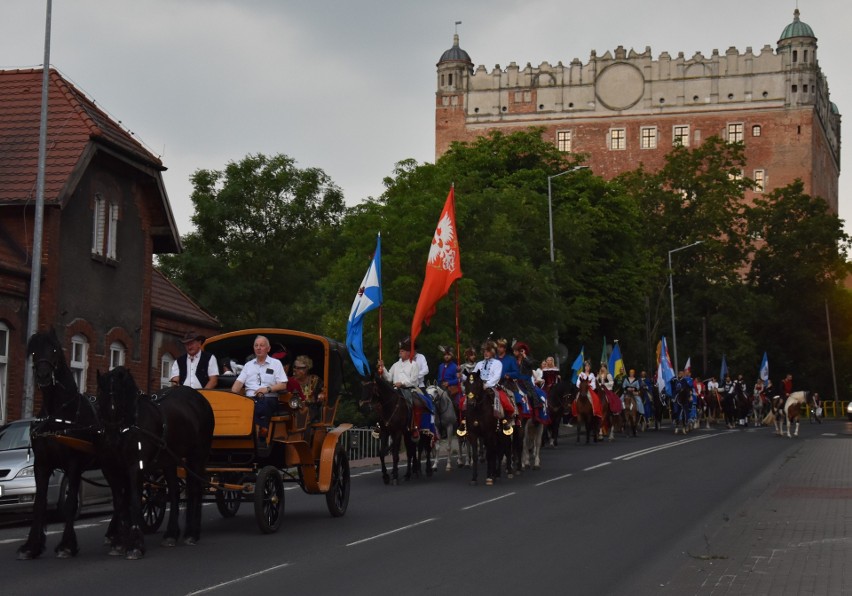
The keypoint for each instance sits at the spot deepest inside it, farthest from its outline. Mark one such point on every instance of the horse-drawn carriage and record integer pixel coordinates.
(299, 447)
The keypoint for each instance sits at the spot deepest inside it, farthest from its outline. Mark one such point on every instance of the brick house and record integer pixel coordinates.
(106, 214)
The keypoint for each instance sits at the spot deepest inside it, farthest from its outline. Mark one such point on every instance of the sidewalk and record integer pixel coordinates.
(794, 537)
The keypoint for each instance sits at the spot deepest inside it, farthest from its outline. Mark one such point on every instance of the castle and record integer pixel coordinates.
(626, 108)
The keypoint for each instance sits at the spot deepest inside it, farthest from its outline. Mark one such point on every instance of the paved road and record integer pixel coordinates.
(717, 512)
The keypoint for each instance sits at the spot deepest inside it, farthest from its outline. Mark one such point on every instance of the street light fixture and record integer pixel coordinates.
(671, 297)
(552, 254)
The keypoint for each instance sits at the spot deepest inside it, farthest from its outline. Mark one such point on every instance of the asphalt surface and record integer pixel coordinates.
(716, 512)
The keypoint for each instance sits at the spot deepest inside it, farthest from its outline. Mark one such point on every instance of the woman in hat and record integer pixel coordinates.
(448, 376)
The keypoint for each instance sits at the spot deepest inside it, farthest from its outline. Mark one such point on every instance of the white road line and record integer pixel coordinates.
(636, 454)
(383, 534)
(488, 501)
(606, 463)
(239, 579)
(829, 434)
(11, 540)
(555, 479)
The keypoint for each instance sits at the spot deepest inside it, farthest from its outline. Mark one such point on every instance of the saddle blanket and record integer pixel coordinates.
(613, 400)
(596, 405)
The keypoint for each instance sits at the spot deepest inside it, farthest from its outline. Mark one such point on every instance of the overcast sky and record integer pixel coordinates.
(348, 85)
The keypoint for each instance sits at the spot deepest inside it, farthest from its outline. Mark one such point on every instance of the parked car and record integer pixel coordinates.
(17, 481)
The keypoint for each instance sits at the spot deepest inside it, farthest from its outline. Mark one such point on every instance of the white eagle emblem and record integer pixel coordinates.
(442, 253)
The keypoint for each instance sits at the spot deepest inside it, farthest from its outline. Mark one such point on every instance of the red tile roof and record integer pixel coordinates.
(170, 301)
(73, 121)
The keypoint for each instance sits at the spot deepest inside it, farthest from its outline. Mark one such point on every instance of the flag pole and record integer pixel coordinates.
(458, 341)
(380, 331)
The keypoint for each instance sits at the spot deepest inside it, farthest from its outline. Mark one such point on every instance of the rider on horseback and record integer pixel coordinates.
(404, 374)
(490, 370)
(510, 381)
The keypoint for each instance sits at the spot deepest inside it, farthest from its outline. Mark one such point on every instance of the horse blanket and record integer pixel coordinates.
(613, 400)
(596, 405)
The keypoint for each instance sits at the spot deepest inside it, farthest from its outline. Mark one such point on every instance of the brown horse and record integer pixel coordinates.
(559, 398)
(393, 412)
(483, 429)
(631, 412)
(585, 413)
(611, 409)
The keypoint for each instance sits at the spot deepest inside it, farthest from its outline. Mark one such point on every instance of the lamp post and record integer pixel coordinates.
(671, 297)
(552, 254)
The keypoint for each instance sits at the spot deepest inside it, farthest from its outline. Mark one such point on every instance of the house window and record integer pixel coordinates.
(79, 360)
(563, 141)
(4, 370)
(759, 180)
(104, 228)
(736, 176)
(756, 130)
(649, 137)
(166, 370)
(117, 353)
(617, 139)
(735, 132)
(680, 135)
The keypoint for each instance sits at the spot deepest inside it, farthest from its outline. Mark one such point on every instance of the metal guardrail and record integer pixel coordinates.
(360, 444)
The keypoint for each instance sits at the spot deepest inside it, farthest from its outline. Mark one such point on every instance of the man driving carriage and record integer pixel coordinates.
(404, 374)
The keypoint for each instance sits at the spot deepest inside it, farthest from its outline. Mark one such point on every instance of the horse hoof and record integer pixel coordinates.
(116, 551)
(386, 479)
(65, 553)
(190, 541)
(489, 482)
(536, 467)
(473, 483)
(169, 542)
(26, 555)
(509, 476)
(134, 554)
(395, 482)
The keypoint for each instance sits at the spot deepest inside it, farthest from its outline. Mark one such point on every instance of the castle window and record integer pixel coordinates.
(104, 228)
(756, 130)
(117, 354)
(680, 135)
(795, 56)
(563, 141)
(166, 370)
(442, 80)
(449, 79)
(617, 139)
(4, 372)
(735, 132)
(795, 88)
(649, 137)
(805, 88)
(759, 180)
(805, 56)
(79, 360)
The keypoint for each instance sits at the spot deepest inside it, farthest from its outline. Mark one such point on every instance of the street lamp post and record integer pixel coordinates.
(671, 297)
(552, 254)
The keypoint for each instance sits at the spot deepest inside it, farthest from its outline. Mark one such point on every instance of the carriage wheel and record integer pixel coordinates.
(269, 499)
(154, 502)
(337, 497)
(228, 502)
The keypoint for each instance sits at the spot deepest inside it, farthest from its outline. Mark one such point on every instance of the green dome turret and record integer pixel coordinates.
(796, 29)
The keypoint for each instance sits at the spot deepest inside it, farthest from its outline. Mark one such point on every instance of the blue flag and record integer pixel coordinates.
(616, 364)
(578, 365)
(665, 372)
(369, 297)
(724, 371)
(764, 368)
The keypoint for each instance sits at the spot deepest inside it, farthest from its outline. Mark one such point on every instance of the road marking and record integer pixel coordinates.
(11, 540)
(488, 501)
(555, 479)
(383, 534)
(636, 454)
(375, 471)
(606, 463)
(239, 579)
(829, 434)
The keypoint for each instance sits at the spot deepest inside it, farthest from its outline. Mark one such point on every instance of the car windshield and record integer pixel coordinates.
(14, 436)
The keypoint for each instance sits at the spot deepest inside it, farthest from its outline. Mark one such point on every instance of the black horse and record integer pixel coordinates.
(393, 412)
(153, 435)
(62, 438)
(483, 429)
(681, 406)
(559, 398)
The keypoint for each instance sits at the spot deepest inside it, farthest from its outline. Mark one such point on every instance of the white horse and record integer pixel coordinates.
(796, 403)
(446, 422)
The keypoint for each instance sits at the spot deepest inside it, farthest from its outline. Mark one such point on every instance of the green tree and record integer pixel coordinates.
(263, 237)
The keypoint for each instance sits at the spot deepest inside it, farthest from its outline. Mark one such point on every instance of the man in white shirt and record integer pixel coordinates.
(404, 374)
(490, 370)
(262, 378)
(196, 369)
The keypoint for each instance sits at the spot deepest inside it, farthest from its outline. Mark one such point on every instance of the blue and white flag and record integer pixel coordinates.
(369, 298)
(764, 368)
(724, 372)
(665, 372)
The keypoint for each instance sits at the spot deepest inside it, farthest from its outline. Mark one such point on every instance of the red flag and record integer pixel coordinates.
(442, 268)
